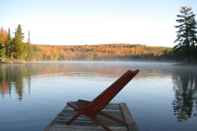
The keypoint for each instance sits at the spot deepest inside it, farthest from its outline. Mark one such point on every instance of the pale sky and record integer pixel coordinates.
(66, 22)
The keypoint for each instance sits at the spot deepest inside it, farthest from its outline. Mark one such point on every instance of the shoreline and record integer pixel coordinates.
(12, 61)
(19, 61)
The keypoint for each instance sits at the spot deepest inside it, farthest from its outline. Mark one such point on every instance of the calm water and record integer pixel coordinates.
(163, 96)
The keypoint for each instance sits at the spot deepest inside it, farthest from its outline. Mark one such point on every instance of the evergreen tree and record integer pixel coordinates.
(186, 33)
(29, 52)
(9, 44)
(18, 43)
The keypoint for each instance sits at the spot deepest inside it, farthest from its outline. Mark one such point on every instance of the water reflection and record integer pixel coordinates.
(12, 79)
(15, 78)
(185, 87)
(152, 86)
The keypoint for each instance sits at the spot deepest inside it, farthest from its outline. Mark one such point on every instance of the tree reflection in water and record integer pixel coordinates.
(11, 79)
(185, 88)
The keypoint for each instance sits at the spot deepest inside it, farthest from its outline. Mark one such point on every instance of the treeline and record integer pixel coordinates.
(14, 47)
(185, 49)
(99, 52)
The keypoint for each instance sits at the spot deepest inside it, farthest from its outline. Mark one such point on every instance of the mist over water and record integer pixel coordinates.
(163, 96)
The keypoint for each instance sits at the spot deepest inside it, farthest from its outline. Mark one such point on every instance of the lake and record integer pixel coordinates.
(162, 97)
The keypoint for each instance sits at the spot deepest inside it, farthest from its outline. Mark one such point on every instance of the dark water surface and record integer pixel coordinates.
(163, 96)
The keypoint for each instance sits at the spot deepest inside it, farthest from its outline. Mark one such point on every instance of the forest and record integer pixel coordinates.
(120, 51)
(14, 48)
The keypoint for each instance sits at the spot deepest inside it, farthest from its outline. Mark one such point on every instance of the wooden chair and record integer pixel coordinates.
(92, 108)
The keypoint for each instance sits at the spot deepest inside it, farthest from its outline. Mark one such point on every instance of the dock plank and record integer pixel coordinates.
(119, 110)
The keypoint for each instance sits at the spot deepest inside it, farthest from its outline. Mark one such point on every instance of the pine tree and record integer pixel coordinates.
(9, 44)
(186, 33)
(18, 43)
(29, 47)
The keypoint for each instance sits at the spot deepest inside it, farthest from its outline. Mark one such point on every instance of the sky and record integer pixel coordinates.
(74, 22)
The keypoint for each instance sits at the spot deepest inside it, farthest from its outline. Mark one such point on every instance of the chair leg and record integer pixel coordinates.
(112, 118)
(73, 118)
(97, 122)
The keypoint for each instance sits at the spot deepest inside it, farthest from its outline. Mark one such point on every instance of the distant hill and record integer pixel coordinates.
(99, 52)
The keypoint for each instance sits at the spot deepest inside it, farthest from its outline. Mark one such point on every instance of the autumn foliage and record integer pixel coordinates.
(3, 36)
(92, 52)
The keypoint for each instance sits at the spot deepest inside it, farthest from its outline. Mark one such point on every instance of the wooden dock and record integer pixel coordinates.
(119, 110)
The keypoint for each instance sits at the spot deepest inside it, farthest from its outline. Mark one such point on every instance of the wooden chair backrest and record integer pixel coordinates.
(108, 94)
